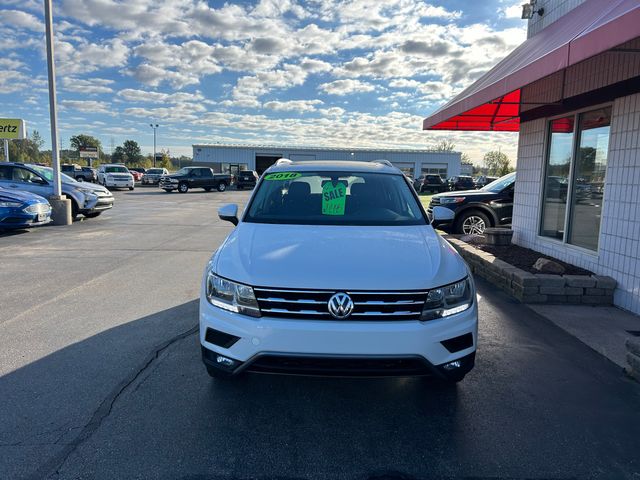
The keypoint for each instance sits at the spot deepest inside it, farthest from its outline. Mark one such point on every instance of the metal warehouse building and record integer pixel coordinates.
(228, 158)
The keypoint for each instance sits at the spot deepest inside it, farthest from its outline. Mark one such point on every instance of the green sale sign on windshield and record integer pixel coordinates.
(333, 198)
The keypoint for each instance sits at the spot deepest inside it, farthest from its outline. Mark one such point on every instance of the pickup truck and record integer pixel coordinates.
(82, 174)
(195, 177)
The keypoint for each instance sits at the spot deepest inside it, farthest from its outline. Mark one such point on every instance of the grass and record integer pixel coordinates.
(425, 199)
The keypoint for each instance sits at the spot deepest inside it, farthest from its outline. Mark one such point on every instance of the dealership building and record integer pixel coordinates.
(572, 91)
(227, 158)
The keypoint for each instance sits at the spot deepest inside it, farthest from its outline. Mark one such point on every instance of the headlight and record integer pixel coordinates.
(448, 200)
(10, 204)
(448, 300)
(86, 191)
(38, 208)
(231, 296)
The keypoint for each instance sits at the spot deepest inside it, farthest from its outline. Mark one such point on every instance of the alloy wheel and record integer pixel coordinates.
(473, 225)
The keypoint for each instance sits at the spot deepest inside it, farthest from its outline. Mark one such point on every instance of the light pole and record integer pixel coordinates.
(60, 205)
(154, 126)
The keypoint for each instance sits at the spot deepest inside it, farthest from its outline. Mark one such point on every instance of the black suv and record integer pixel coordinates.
(432, 183)
(471, 211)
(461, 183)
(247, 178)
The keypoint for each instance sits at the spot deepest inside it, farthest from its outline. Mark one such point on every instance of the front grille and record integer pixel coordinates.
(341, 366)
(368, 305)
(435, 201)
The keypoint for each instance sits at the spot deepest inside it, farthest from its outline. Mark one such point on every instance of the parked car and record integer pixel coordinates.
(90, 174)
(483, 180)
(137, 172)
(247, 178)
(195, 177)
(82, 174)
(152, 176)
(432, 183)
(326, 273)
(461, 182)
(470, 212)
(19, 209)
(115, 176)
(86, 198)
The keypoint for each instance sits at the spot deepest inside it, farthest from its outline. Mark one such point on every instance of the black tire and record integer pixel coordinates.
(183, 187)
(92, 214)
(222, 186)
(131, 188)
(239, 187)
(80, 178)
(168, 190)
(74, 209)
(473, 221)
(207, 189)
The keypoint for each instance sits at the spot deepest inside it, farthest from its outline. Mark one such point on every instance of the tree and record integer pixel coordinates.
(119, 155)
(497, 163)
(83, 140)
(37, 139)
(131, 150)
(166, 161)
(444, 145)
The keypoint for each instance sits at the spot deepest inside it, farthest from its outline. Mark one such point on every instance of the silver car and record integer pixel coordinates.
(86, 198)
(152, 176)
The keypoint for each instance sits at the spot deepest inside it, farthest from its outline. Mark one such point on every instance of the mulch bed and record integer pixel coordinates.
(524, 258)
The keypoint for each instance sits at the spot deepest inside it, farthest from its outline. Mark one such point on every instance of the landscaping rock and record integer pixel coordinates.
(544, 265)
(473, 239)
(604, 282)
(580, 281)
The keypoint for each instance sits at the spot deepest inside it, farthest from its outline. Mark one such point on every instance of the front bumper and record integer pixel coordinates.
(119, 183)
(19, 219)
(269, 344)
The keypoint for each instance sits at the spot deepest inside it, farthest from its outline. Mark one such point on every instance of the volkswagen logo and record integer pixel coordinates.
(340, 305)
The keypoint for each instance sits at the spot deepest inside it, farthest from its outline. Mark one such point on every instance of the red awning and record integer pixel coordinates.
(492, 103)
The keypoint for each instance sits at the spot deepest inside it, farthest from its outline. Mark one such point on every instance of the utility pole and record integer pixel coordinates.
(155, 127)
(60, 205)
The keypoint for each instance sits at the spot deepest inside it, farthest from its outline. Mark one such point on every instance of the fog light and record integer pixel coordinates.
(449, 366)
(224, 361)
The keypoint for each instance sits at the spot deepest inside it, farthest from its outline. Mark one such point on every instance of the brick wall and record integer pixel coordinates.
(619, 244)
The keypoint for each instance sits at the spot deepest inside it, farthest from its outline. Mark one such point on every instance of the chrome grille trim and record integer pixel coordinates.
(313, 304)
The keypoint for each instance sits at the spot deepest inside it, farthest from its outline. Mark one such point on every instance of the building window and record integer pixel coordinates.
(574, 177)
(434, 171)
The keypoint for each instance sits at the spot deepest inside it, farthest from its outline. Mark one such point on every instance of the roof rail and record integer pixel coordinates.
(383, 162)
(283, 161)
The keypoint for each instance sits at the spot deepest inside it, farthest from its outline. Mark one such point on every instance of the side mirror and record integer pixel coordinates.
(229, 212)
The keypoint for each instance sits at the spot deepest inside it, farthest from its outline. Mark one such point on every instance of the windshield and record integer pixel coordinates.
(334, 198)
(183, 171)
(500, 184)
(47, 173)
(116, 169)
(155, 171)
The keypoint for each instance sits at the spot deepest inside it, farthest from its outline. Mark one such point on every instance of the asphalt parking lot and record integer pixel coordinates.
(100, 377)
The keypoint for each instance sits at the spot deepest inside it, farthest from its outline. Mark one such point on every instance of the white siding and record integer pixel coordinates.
(553, 10)
(218, 154)
(619, 244)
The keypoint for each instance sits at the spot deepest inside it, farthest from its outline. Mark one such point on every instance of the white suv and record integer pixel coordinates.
(115, 176)
(334, 269)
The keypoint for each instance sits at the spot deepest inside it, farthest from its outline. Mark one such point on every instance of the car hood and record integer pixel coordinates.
(86, 185)
(465, 193)
(338, 257)
(20, 196)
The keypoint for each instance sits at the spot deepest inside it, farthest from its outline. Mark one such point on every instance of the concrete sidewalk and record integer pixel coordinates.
(604, 329)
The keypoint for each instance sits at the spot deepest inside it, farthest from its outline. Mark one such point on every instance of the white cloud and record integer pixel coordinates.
(513, 11)
(20, 19)
(145, 96)
(87, 86)
(88, 106)
(345, 87)
(293, 105)
(12, 81)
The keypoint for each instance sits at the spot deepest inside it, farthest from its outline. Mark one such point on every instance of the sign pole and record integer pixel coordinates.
(6, 150)
(61, 206)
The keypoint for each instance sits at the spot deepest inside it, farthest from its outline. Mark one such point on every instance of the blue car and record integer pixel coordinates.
(20, 209)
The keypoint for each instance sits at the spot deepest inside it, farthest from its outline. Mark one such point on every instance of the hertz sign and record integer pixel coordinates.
(12, 128)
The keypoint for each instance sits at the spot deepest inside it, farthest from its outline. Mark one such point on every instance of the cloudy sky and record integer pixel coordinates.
(317, 72)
